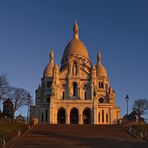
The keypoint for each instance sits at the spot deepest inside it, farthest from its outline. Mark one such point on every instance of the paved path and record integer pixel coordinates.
(75, 136)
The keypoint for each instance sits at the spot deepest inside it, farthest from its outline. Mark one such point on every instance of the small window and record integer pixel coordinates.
(74, 89)
(107, 118)
(85, 92)
(74, 69)
(63, 91)
(99, 117)
(49, 83)
(101, 100)
(63, 95)
(85, 95)
(101, 85)
(102, 115)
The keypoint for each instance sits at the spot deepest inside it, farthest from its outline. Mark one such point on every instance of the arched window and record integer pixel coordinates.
(87, 116)
(74, 116)
(75, 89)
(61, 118)
(107, 118)
(101, 85)
(74, 69)
(49, 83)
(85, 95)
(99, 117)
(101, 100)
(63, 95)
(85, 92)
(102, 115)
(63, 91)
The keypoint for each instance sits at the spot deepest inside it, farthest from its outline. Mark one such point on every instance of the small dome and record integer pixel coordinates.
(101, 71)
(48, 72)
(75, 47)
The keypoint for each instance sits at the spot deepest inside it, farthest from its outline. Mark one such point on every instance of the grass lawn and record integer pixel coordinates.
(9, 129)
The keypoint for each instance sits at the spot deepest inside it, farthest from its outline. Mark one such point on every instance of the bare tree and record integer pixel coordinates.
(140, 106)
(20, 97)
(4, 86)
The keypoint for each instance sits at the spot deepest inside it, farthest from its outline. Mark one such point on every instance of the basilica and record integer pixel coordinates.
(78, 92)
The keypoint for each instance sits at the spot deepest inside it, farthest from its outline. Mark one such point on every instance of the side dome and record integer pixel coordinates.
(75, 47)
(48, 71)
(101, 71)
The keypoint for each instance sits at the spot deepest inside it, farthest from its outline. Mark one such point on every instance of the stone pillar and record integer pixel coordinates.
(80, 119)
(100, 116)
(55, 118)
(51, 115)
(67, 119)
(95, 116)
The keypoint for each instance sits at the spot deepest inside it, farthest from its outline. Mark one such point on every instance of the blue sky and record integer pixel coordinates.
(30, 28)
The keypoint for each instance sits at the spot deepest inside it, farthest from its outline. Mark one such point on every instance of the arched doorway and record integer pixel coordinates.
(74, 116)
(61, 116)
(87, 116)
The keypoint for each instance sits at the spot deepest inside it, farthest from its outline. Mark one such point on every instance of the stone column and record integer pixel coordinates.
(95, 116)
(55, 117)
(100, 116)
(51, 115)
(80, 119)
(67, 119)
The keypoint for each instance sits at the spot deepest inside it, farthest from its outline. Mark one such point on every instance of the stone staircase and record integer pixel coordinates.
(75, 136)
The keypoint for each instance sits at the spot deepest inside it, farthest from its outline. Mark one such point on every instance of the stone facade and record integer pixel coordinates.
(77, 93)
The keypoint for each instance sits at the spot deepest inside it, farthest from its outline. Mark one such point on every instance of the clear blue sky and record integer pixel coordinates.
(30, 28)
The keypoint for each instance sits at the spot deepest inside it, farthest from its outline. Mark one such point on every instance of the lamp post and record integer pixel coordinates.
(127, 98)
(93, 110)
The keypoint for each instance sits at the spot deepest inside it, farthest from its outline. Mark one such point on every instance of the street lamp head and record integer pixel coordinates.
(127, 98)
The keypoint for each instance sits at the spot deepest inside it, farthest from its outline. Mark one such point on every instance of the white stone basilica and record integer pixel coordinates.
(77, 93)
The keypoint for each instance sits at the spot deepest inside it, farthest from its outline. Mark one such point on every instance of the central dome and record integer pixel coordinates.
(75, 46)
